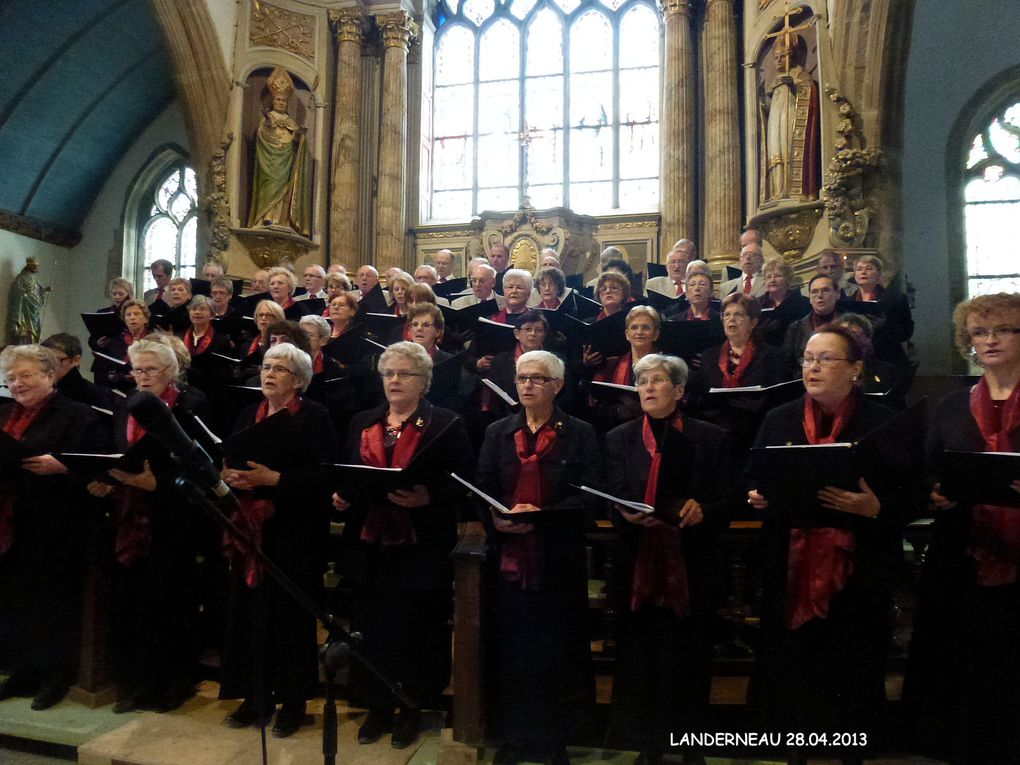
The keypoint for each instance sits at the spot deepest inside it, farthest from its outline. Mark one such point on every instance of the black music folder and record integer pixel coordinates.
(492, 337)
(449, 288)
(465, 318)
(980, 478)
(274, 442)
(100, 325)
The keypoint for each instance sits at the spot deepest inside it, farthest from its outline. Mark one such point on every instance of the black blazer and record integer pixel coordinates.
(424, 565)
(575, 459)
(797, 336)
(879, 553)
(627, 467)
(765, 369)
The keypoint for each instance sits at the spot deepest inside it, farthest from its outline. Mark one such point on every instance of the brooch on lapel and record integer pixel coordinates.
(419, 423)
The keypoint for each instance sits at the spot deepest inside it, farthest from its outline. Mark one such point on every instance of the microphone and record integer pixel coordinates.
(157, 419)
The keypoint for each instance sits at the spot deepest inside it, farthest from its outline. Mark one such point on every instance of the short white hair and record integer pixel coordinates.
(38, 354)
(674, 366)
(482, 266)
(417, 355)
(299, 362)
(162, 351)
(553, 364)
(320, 324)
(520, 273)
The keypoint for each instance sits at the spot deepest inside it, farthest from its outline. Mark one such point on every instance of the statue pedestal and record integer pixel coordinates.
(270, 246)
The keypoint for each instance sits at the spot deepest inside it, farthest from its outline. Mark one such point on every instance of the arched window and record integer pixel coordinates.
(992, 205)
(554, 100)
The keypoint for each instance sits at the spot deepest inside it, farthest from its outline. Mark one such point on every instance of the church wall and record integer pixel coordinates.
(80, 284)
(223, 14)
(955, 49)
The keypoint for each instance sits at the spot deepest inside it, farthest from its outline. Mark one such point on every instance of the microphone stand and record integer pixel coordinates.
(340, 647)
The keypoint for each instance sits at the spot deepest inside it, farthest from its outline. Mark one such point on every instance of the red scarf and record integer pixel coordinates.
(134, 514)
(288, 304)
(875, 294)
(19, 419)
(390, 525)
(129, 338)
(820, 560)
(135, 432)
(251, 515)
(691, 316)
(621, 370)
(660, 571)
(552, 307)
(203, 342)
(255, 344)
(407, 333)
(317, 364)
(733, 379)
(995, 531)
(521, 558)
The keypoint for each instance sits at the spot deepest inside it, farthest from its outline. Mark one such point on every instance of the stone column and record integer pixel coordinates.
(344, 217)
(390, 213)
(677, 180)
(722, 134)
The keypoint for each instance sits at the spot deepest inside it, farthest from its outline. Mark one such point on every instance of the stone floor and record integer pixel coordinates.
(196, 735)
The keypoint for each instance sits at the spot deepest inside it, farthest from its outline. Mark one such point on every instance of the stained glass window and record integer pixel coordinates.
(169, 230)
(553, 100)
(992, 205)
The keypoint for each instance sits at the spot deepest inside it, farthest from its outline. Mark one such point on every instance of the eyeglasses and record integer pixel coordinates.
(537, 380)
(532, 330)
(26, 377)
(980, 333)
(276, 369)
(825, 361)
(61, 359)
(608, 289)
(655, 381)
(422, 324)
(265, 316)
(147, 372)
(821, 292)
(401, 374)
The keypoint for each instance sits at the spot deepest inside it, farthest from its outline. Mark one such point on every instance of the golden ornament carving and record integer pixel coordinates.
(445, 234)
(348, 25)
(843, 189)
(277, 27)
(525, 214)
(271, 247)
(397, 29)
(216, 203)
(675, 8)
(790, 232)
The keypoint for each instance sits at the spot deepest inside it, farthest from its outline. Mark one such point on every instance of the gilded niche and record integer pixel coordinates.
(276, 27)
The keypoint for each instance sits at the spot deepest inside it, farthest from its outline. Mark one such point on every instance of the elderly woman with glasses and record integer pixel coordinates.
(284, 502)
(397, 552)
(670, 563)
(963, 671)
(42, 555)
(828, 571)
(529, 462)
(155, 590)
(267, 313)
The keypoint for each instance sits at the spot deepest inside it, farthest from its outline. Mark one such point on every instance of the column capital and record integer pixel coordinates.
(397, 29)
(675, 8)
(710, 3)
(348, 24)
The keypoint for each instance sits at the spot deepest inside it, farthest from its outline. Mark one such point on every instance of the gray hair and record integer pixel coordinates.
(430, 268)
(553, 364)
(610, 253)
(685, 244)
(675, 367)
(300, 363)
(520, 273)
(223, 283)
(319, 270)
(200, 301)
(482, 266)
(403, 277)
(12, 354)
(414, 353)
(160, 350)
(696, 267)
(320, 324)
(287, 274)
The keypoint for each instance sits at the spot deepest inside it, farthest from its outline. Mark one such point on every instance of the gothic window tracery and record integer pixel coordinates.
(169, 228)
(992, 205)
(556, 100)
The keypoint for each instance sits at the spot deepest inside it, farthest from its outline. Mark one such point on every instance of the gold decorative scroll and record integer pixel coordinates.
(348, 24)
(277, 27)
(397, 29)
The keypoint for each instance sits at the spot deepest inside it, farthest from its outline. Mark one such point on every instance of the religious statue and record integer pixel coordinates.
(788, 113)
(281, 182)
(25, 306)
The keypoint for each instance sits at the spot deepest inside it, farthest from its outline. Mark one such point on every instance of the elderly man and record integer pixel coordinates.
(314, 280)
(751, 280)
(548, 258)
(833, 264)
(483, 283)
(367, 279)
(672, 284)
(426, 274)
(443, 261)
(750, 236)
(162, 272)
(605, 258)
(221, 290)
(67, 351)
(211, 270)
(336, 268)
(260, 282)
